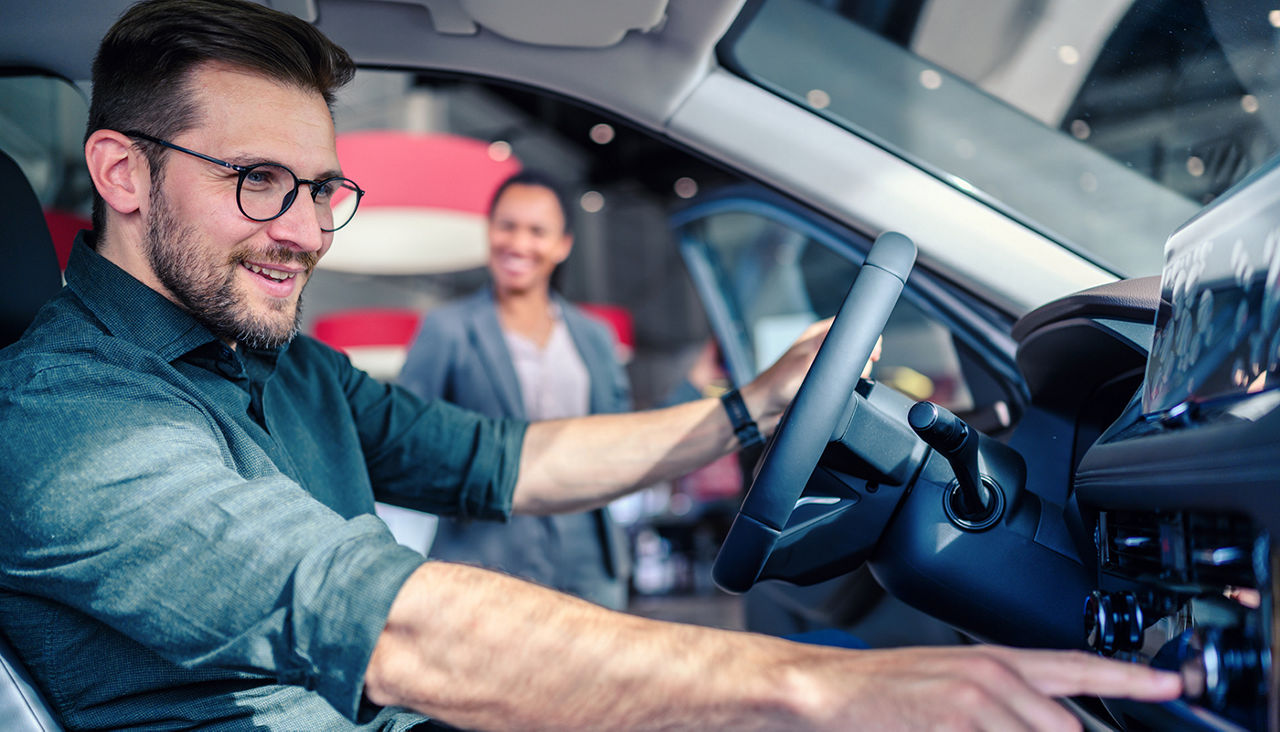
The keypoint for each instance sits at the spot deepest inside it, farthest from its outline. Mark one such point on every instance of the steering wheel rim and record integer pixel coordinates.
(814, 414)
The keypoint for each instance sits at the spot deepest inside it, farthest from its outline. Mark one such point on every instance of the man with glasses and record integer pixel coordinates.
(186, 527)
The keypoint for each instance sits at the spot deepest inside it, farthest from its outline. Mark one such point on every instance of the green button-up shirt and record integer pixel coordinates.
(186, 531)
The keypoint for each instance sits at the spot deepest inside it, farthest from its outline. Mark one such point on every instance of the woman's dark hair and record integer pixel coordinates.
(142, 73)
(532, 177)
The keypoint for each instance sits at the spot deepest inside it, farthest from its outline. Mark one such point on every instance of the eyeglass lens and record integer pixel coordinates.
(267, 190)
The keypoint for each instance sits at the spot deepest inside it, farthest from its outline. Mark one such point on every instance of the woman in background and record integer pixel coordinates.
(518, 349)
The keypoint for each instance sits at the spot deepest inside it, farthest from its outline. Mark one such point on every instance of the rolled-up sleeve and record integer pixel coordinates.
(432, 455)
(121, 501)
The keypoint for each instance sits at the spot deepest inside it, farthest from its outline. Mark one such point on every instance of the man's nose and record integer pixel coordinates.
(300, 225)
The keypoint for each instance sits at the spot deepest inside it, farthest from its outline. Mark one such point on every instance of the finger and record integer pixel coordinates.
(817, 330)
(1034, 710)
(1022, 705)
(1068, 673)
(978, 709)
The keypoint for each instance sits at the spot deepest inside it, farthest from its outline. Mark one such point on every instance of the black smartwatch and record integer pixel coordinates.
(744, 427)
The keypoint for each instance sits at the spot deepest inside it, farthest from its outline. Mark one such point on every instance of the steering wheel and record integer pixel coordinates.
(813, 416)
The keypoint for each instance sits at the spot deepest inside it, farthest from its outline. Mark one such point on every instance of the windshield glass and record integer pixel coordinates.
(1103, 124)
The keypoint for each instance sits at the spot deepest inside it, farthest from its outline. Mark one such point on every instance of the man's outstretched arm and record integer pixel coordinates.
(482, 650)
(574, 464)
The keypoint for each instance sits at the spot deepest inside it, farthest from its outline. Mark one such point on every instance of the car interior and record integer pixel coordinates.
(1076, 446)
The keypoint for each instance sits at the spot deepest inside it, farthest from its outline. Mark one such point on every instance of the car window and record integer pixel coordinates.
(775, 279)
(772, 271)
(1103, 124)
(42, 122)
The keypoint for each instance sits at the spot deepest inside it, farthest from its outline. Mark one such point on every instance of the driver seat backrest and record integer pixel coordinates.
(30, 277)
(31, 274)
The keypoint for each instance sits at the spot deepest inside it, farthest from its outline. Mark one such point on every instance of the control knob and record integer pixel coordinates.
(1221, 667)
(1112, 622)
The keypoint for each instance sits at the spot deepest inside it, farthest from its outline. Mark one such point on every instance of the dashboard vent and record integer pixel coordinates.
(1130, 544)
(1193, 550)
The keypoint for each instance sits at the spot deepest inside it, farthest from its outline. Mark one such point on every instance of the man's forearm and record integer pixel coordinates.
(482, 650)
(575, 464)
(485, 651)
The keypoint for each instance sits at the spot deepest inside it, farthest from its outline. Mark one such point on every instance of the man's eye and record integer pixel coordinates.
(263, 177)
(325, 190)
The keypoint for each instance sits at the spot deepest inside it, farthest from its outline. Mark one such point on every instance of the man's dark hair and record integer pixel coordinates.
(142, 73)
(532, 177)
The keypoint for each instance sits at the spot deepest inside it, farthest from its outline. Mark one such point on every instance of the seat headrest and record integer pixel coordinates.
(30, 275)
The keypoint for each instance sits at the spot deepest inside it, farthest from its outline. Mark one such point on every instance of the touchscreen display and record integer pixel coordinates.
(1217, 331)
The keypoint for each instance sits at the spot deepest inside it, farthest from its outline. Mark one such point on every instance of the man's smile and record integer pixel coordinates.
(274, 273)
(277, 280)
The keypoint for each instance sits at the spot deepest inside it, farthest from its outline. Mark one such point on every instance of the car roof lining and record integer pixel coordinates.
(571, 23)
(643, 75)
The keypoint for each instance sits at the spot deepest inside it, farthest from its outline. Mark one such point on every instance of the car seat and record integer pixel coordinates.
(31, 270)
(31, 276)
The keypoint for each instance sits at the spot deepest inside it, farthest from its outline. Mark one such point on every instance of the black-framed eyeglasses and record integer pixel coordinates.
(265, 191)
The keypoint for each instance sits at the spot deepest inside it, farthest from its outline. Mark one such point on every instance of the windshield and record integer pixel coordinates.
(1104, 124)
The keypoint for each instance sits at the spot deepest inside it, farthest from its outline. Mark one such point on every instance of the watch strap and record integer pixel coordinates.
(744, 427)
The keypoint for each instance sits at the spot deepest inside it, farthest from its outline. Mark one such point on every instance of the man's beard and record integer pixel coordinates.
(207, 289)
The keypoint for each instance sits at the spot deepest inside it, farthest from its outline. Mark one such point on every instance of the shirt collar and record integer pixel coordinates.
(129, 309)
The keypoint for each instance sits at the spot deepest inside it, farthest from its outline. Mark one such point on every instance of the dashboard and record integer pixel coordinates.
(1169, 385)
(1131, 510)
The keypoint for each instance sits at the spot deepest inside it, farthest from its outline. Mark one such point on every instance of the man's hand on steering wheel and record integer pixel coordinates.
(768, 395)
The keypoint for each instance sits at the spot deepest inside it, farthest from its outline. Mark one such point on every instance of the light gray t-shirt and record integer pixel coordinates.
(553, 379)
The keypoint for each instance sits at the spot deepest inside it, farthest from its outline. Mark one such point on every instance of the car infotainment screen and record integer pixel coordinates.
(1218, 326)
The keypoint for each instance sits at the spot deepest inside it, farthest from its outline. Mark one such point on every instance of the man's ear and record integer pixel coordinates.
(118, 169)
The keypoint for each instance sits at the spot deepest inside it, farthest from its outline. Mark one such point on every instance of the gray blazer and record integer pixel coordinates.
(460, 355)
